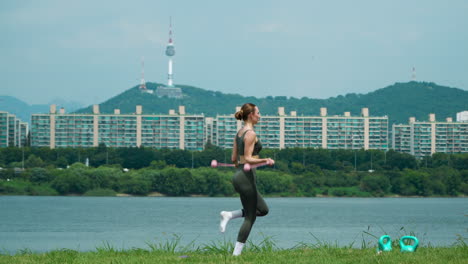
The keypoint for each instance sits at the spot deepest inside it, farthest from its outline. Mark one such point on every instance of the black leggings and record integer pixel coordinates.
(252, 202)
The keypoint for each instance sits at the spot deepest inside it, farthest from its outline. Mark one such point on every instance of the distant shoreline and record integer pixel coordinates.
(156, 194)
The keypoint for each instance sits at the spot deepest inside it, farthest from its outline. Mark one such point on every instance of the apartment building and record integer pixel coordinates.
(424, 138)
(178, 130)
(322, 131)
(13, 132)
(174, 130)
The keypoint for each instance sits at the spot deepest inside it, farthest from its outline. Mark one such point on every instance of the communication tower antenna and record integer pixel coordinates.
(170, 52)
(143, 82)
(413, 74)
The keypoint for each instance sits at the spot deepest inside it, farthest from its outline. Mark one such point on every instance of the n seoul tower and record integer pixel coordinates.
(170, 51)
(170, 90)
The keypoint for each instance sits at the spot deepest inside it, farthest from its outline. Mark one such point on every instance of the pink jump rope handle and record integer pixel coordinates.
(248, 167)
(215, 164)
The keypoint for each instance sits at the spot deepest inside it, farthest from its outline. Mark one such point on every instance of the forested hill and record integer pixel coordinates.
(23, 110)
(399, 102)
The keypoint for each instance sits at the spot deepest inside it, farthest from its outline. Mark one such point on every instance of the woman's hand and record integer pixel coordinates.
(270, 162)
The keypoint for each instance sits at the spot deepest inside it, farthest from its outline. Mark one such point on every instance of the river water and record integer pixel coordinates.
(84, 223)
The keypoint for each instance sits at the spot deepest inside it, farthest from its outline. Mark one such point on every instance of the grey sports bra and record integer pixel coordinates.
(241, 147)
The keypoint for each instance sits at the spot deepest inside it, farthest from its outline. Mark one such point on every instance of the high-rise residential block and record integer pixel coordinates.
(332, 132)
(13, 132)
(424, 138)
(174, 130)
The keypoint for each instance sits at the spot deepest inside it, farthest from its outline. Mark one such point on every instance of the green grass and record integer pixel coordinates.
(20, 187)
(266, 251)
(296, 256)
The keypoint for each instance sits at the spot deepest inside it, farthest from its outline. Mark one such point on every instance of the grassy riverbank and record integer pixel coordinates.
(458, 254)
(266, 251)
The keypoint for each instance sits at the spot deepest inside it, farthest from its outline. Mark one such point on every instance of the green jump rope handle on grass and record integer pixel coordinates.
(385, 243)
(408, 248)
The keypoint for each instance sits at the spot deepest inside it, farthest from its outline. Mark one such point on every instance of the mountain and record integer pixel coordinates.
(413, 99)
(23, 110)
(398, 101)
(19, 108)
(70, 106)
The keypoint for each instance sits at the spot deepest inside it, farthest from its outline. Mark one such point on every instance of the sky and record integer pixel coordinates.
(89, 51)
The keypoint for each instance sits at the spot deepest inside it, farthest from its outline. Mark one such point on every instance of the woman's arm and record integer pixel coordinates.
(234, 152)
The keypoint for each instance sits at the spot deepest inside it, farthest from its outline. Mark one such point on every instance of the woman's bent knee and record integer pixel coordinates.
(262, 212)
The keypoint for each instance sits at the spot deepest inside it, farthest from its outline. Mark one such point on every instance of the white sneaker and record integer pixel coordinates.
(238, 249)
(225, 217)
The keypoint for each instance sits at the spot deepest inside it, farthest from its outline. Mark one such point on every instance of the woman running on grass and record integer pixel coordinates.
(245, 150)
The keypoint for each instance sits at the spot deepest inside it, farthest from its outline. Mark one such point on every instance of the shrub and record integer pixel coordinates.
(100, 192)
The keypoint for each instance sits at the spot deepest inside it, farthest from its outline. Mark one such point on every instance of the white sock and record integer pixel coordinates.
(238, 249)
(226, 216)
